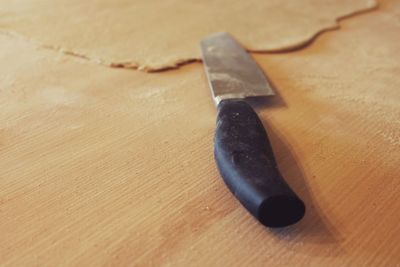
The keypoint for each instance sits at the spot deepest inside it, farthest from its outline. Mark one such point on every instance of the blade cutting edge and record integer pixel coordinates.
(231, 71)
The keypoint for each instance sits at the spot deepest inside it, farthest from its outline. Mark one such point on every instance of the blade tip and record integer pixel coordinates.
(216, 35)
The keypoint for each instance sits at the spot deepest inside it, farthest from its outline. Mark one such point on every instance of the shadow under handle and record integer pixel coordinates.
(247, 164)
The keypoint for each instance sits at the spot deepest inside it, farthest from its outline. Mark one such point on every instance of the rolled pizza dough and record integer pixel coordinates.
(155, 35)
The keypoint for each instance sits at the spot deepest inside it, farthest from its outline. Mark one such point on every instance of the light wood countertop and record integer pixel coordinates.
(111, 167)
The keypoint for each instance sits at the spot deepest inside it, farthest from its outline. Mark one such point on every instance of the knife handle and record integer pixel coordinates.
(247, 164)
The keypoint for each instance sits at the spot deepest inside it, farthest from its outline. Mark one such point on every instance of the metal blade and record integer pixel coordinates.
(231, 71)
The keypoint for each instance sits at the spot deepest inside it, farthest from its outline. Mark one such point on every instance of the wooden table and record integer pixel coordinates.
(114, 167)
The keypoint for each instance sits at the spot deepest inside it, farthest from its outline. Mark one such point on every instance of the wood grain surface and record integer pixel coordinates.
(109, 167)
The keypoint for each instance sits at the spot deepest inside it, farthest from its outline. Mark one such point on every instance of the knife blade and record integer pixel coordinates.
(242, 151)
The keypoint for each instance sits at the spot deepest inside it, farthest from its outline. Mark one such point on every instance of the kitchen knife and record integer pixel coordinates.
(242, 150)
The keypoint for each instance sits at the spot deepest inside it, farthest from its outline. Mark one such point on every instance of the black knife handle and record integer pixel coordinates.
(246, 162)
